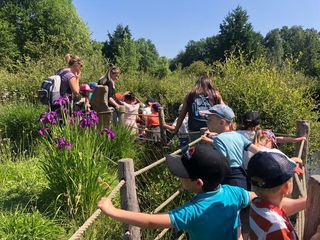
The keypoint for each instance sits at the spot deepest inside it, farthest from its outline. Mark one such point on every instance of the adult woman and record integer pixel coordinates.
(202, 96)
(110, 79)
(70, 77)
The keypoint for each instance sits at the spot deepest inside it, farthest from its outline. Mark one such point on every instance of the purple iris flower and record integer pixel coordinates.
(62, 101)
(48, 117)
(90, 119)
(77, 114)
(43, 131)
(62, 143)
(109, 132)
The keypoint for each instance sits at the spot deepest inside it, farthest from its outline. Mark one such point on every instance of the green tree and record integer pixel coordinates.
(274, 44)
(149, 55)
(111, 46)
(128, 56)
(39, 27)
(236, 33)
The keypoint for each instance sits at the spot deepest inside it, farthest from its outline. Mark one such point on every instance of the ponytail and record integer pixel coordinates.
(70, 59)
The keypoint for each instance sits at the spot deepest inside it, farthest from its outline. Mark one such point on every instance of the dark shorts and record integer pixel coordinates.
(237, 177)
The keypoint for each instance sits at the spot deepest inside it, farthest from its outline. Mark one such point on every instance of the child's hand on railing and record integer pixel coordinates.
(106, 205)
(300, 139)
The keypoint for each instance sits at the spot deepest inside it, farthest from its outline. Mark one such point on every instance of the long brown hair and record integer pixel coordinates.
(205, 87)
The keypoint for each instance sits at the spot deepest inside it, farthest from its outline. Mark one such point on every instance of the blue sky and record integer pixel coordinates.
(171, 24)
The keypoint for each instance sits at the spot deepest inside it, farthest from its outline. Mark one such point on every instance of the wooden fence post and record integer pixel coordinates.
(303, 129)
(313, 207)
(122, 111)
(163, 134)
(128, 195)
(105, 119)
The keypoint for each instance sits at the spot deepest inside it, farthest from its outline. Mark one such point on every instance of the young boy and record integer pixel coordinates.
(230, 143)
(271, 176)
(212, 214)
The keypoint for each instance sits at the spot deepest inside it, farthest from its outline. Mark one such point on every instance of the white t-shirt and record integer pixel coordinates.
(130, 116)
(183, 130)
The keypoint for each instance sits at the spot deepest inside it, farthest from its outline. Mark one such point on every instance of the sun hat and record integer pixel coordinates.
(271, 169)
(220, 110)
(85, 87)
(251, 119)
(201, 161)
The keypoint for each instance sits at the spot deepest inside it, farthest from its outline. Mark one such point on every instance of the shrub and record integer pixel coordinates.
(18, 128)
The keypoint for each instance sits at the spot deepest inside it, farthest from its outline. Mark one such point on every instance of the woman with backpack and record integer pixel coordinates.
(70, 77)
(202, 96)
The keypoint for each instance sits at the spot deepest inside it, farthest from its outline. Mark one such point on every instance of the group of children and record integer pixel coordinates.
(221, 179)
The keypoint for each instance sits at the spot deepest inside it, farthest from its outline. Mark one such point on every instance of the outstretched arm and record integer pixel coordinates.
(292, 206)
(290, 139)
(142, 220)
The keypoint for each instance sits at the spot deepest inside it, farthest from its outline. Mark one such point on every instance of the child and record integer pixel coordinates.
(92, 85)
(132, 108)
(211, 214)
(153, 123)
(152, 120)
(183, 130)
(84, 101)
(271, 176)
(268, 142)
(230, 143)
(251, 123)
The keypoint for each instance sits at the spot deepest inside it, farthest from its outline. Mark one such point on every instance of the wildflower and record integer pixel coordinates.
(90, 119)
(62, 143)
(48, 117)
(62, 101)
(77, 114)
(43, 131)
(109, 132)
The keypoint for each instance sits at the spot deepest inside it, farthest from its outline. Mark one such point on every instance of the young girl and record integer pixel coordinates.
(268, 142)
(132, 105)
(85, 91)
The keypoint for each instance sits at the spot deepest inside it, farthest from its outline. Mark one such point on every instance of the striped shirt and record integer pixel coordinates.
(269, 222)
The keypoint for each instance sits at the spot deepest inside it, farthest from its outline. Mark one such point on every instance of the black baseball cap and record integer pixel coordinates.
(201, 161)
(251, 119)
(271, 169)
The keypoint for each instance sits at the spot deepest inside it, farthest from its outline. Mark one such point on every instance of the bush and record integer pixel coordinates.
(18, 129)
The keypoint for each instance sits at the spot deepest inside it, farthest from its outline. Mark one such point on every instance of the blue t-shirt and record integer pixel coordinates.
(231, 145)
(212, 215)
